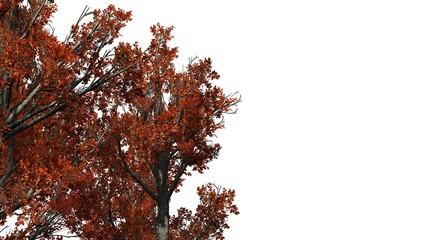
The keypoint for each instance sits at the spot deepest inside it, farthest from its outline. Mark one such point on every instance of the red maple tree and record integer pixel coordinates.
(97, 139)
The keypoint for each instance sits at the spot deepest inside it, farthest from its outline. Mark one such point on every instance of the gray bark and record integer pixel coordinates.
(163, 219)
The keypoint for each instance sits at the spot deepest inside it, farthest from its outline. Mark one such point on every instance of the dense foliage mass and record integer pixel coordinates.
(95, 138)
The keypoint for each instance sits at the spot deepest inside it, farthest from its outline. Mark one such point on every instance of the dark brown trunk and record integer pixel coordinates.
(163, 218)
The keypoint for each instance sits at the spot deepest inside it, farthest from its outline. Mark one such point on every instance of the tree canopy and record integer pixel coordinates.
(96, 136)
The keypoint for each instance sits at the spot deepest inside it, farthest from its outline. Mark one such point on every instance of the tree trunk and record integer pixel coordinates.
(163, 218)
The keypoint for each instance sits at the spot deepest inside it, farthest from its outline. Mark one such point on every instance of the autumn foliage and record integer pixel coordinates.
(96, 138)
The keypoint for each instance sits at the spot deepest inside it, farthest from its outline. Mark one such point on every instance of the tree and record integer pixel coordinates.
(171, 124)
(47, 88)
(158, 124)
(98, 140)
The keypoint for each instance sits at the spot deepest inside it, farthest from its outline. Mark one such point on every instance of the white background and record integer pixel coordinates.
(330, 141)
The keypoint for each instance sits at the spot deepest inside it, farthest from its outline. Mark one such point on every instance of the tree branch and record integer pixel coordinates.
(178, 176)
(19, 205)
(11, 165)
(150, 192)
(23, 104)
(101, 81)
(22, 127)
(32, 114)
(35, 16)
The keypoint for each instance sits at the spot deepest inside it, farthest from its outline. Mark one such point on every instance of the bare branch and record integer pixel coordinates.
(23, 104)
(101, 81)
(32, 114)
(22, 127)
(35, 16)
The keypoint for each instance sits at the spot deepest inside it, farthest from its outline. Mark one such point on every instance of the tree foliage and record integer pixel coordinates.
(96, 138)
